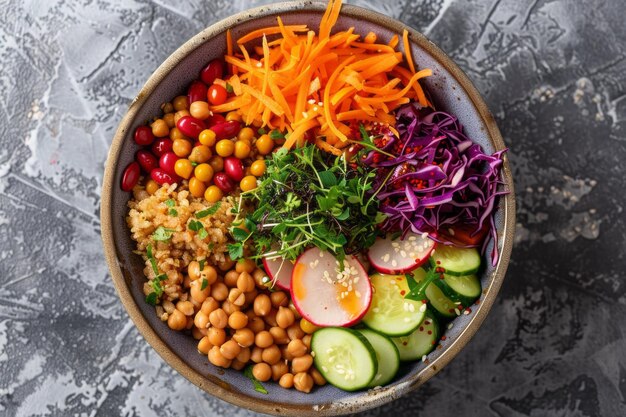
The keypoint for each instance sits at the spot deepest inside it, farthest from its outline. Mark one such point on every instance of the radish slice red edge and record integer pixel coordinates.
(325, 297)
(279, 270)
(400, 255)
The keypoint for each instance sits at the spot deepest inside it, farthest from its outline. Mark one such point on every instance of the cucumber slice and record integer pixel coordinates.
(438, 300)
(344, 357)
(387, 356)
(390, 313)
(465, 289)
(456, 261)
(419, 343)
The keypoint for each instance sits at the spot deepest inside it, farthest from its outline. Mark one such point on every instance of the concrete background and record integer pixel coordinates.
(553, 73)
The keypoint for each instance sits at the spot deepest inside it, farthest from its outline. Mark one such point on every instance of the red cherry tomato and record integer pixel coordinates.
(197, 91)
(233, 168)
(146, 160)
(223, 182)
(214, 120)
(161, 177)
(217, 94)
(144, 136)
(130, 176)
(213, 70)
(160, 146)
(226, 130)
(190, 126)
(167, 162)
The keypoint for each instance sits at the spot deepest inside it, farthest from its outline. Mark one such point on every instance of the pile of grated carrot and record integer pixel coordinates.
(322, 82)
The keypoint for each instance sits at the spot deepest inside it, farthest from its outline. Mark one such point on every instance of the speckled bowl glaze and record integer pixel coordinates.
(450, 90)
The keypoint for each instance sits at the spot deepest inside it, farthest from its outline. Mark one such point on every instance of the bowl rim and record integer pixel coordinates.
(369, 399)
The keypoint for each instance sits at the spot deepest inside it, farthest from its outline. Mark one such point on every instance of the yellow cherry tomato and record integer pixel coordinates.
(233, 115)
(207, 137)
(196, 187)
(213, 194)
(248, 183)
(152, 187)
(225, 148)
(246, 134)
(203, 172)
(258, 168)
(200, 154)
(217, 163)
(242, 149)
(181, 147)
(264, 144)
(183, 168)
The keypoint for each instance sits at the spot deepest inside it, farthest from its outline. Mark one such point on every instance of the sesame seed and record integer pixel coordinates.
(312, 354)
(424, 358)
(358, 294)
(315, 108)
(405, 306)
(412, 308)
(450, 232)
(456, 310)
(412, 238)
(311, 101)
(320, 103)
(325, 369)
(449, 326)
(403, 253)
(407, 319)
(376, 310)
(386, 257)
(394, 263)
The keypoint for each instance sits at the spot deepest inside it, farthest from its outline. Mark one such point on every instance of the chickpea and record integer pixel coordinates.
(193, 269)
(201, 320)
(237, 365)
(285, 353)
(180, 114)
(236, 297)
(242, 149)
(181, 147)
(301, 364)
(262, 372)
(256, 324)
(209, 273)
(204, 345)
(237, 320)
(200, 154)
(213, 194)
(296, 348)
(271, 355)
(152, 187)
(219, 291)
(279, 335)
(168, 306)
(286, 381)
(245, 265)
(244, 355)
(295, 310)
(303, 382)
(200, 110)
(196, 187)
(226, 264)
(218, 318)
(250, 296)
(167, 107)
(230, 279)
(176, 134)
(216, 336)
(217, 359)
(270, 318)
(279, 369)
(284, 317)
(258, 168)
(245, 282)
(260, 278)
(307, 341)
(230, 308)
(189, 324)
(262, 305)
(307, 326)
(203, 172)
(244, 337)
(224, 148)
(209, 305)
(230, 349)
(318, 378)
(177, 320)
(217, 163)
(233, 115)
(180, 103)
(264, 144)
(169, 120)
(246, 134)
(207, 137)
(255, 354)
(197, 293)
(196, 333)
(279, 298)
(263, 339)
(160, 128)
(185, 307)
(295, 332)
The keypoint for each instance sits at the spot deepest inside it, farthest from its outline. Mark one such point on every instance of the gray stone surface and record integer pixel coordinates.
(553, 73)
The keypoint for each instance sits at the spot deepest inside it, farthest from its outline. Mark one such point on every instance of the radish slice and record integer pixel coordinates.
(399, 256)
(326, 297)
(280, 271)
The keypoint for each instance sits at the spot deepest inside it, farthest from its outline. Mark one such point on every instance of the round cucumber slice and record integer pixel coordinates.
(438, 300)
(465, 289)
(390, 313)
(344, 357)
(456, 261)
(419, 343)
(387, 356)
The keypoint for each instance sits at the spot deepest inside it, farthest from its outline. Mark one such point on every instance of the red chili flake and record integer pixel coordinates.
(402, 292)
(469, 310)
(451, 310)
(439, 347)
(432, 343)
(477, 302)
(405, 343)
(421, 328)
(430, 332)
(424, 301)
(443, 338)
(427, 322)
(438, 262)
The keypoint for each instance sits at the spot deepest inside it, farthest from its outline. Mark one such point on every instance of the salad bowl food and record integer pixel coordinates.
(308, 209)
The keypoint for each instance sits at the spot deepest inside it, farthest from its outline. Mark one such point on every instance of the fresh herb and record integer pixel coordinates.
(194, 164)
(308, 197)
(151, 298)
(229, 88)
(209, 211)
(276, 135)
(417, 290)
(170, 203)
(162, 234)
(156, 282)
(202, 262)
(152, 260)
(195, 225)
(202, 233)
(261, 131)
(235, 250)
(205, 283)
(258, 387)
(172, 212)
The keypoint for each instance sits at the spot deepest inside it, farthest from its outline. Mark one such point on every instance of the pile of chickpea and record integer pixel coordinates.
(238, 321)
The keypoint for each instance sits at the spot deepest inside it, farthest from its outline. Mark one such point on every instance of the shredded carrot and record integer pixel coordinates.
(299, 81)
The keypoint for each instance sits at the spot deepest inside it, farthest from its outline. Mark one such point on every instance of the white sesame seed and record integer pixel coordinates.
(386, 257)
(424, 358)
(311, 101)
(451, 232)
(312, 354)
(320, 103)
(412, 308)
(358, 294)
(376, 309)
(422, 308)
(325, 369)
(412, 238)
(315, 108)
(394, 263)
(407, 319)
(405, 306)
(450, 326)
(466, 312)
(403, 253)
(456, 310)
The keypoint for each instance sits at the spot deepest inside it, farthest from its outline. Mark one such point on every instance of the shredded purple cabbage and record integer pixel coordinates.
(438, 180)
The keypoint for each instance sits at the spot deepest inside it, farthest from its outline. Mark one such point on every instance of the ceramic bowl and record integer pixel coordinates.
(450, 89)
